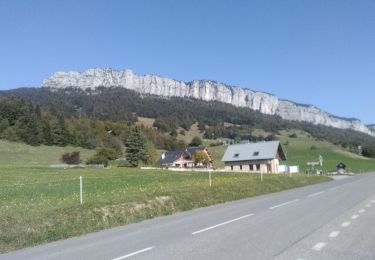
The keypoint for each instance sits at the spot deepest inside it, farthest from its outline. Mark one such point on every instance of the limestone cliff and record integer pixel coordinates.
(202, 89)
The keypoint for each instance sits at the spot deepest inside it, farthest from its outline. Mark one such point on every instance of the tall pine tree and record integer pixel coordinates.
(135, 147)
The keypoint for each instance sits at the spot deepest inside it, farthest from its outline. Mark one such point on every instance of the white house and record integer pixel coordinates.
(261, 157)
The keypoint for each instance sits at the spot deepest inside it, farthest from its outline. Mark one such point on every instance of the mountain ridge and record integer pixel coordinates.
(207, 90)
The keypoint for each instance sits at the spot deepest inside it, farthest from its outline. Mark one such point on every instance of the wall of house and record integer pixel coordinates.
(244, 166)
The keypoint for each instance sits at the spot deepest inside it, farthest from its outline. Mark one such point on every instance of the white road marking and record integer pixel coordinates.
(134, 253)
(315, 194)
(361, 211)
(355, 216)
(334, 234)
(373, 201)
(221, 224)
(345, 224)
(368, 205)
(319, 246)
(334, 188)
(283, 204)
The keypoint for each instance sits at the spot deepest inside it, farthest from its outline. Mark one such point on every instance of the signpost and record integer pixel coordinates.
(80, 190)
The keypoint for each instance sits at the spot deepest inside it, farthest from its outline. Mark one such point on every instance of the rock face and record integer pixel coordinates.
(202, 89)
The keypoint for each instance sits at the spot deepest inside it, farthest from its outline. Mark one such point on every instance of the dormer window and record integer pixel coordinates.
(255, 153)
(236, 155)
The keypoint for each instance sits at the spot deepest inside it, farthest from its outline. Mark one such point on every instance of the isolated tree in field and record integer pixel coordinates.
(135, 147)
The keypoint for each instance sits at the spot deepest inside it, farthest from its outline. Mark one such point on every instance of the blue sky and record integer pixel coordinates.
(310, 51)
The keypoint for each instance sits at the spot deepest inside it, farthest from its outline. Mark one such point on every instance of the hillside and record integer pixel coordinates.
(14, 154)
(123, 105)
(303, 148)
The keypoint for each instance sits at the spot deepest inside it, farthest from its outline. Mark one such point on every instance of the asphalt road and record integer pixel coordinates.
(334, 220)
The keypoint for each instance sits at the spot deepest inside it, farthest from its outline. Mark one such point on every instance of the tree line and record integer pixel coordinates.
(123, 106)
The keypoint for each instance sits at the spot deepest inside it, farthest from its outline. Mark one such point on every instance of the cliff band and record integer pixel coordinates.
(202, 89)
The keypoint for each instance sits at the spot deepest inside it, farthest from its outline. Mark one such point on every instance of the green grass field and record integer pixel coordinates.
(39, 204)
(305, 148)
(18, 154)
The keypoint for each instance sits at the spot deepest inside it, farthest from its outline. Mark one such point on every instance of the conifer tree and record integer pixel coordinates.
(135, 147)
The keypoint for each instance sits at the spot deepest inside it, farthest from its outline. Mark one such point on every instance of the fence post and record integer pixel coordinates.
(80, 190)
(209, 177)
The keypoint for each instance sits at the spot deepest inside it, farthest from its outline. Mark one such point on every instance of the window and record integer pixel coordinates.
(236, 155)
(255, 153)
(241, 167)
(258, 167)
(251, 167)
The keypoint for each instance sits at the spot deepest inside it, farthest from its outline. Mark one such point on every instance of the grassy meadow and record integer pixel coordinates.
(19, 154)
(39, 204)
(303, 148)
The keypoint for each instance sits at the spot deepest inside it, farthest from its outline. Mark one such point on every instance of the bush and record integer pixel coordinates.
(98, 160)
(368, 151)
(71, 158)
(123, 163)
(109, 153)
(197, 141)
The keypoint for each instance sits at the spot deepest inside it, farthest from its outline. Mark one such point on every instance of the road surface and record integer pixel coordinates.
(333, 220)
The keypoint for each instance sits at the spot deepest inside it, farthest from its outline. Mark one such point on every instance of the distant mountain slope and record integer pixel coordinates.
(124, 105)
(202, 89)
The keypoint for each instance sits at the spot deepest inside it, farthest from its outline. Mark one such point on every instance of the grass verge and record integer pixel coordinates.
(39, 205)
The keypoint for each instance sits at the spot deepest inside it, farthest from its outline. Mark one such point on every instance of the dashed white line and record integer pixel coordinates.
(283, 204)
(361, 211)
(345, 224)
(319, 246)
(334, 234)
(355, 216)
(221, 224)
(368, 205)
(134, 253)
(315, 194)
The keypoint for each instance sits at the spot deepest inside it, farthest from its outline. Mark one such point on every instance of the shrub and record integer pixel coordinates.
(71, 158)
(109, 153)
(96, 159)
(196, 141)
(368, 151)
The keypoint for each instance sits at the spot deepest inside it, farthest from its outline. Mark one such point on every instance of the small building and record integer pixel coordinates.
(341, 167)
(185, 158)
(261, 157)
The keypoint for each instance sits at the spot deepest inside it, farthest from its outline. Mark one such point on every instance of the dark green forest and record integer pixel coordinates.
(84, 118)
